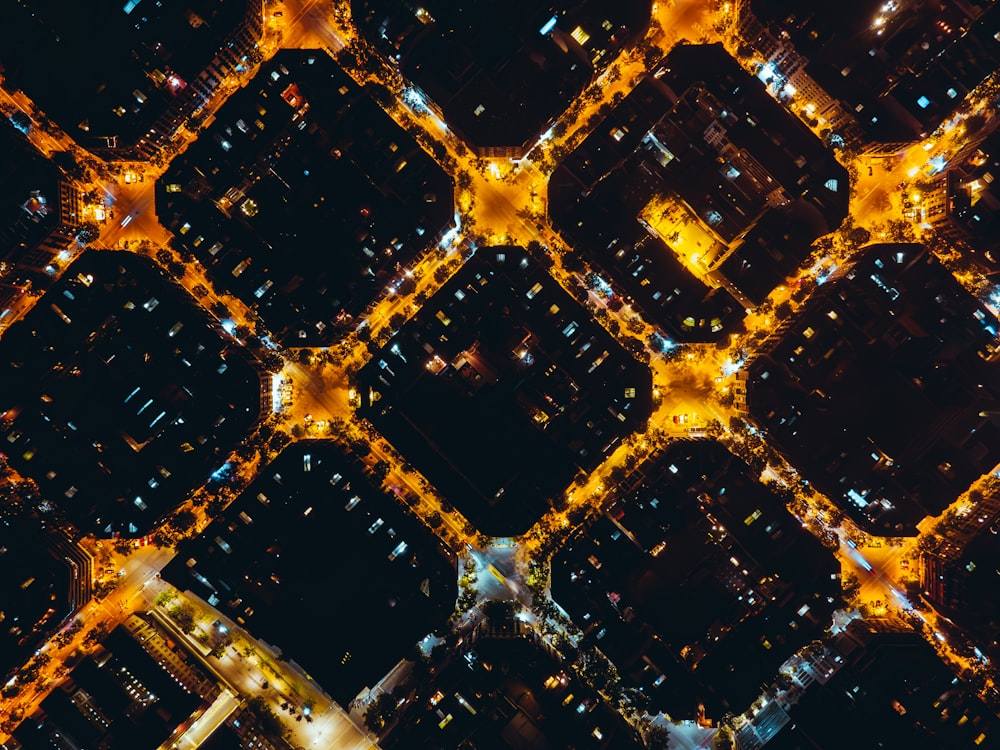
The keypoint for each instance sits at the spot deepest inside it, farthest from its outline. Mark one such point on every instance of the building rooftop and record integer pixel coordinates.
(223, 738)
(29, 197)
(596, 197)
(699, 583)
(772, 250)
(501, 388)
(959, 573)
(897, 322)
(972, 603)
(304, 199)
(762, 155)
(973, 202)
(309, 530)
(501, 70)
(121, 395)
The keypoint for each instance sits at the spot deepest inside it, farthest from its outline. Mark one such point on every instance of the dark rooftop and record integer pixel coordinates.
(34, 582)
(502, 387)
(29, 195)
(223, 738)
(723, 115)
(973, 202)
(773, 250)
(961, 583)
(120, 394)
(684, 167)
(902, 67)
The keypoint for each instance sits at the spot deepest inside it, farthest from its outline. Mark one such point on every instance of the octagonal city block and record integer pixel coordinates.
(699, 583)
(883, 391)
(502, 388)
(120, 394)
(304, 199)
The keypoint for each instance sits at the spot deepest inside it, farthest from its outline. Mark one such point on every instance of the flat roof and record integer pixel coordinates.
(29, 192)
(98, 701)
(509, 691)
(502, 387)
